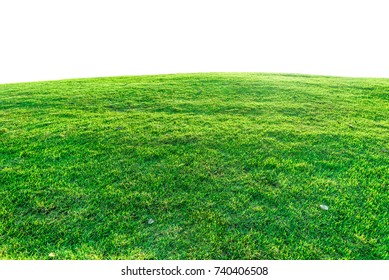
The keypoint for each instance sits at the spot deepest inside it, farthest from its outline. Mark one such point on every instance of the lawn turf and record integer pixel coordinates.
(227, 166)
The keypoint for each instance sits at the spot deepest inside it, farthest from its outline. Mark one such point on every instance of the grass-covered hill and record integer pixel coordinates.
(195, 166)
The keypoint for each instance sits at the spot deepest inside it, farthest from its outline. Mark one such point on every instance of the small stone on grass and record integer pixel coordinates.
(324, 207)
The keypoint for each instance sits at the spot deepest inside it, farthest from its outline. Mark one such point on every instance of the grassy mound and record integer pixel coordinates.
(195, 166)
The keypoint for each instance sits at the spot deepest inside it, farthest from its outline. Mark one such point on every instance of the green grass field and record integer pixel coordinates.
(195, 166)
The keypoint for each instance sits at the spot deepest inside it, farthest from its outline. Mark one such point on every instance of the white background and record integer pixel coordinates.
(55, 39)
